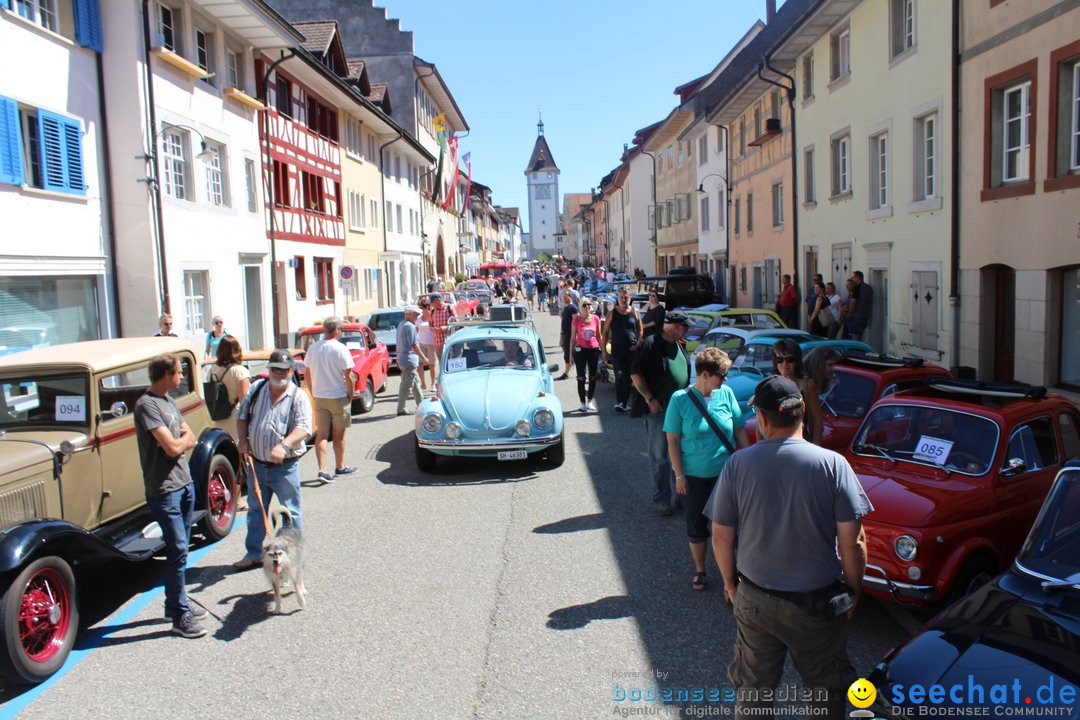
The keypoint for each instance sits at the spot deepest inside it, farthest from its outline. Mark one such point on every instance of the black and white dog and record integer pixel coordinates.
(283, 557)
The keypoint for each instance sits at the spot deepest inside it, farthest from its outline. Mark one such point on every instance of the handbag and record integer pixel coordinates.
(709, 419)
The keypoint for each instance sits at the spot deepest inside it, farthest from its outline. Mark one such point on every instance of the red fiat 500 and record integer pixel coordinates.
(371, 360)
(957, 472)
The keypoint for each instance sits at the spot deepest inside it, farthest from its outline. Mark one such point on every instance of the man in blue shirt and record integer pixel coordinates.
(409, 359)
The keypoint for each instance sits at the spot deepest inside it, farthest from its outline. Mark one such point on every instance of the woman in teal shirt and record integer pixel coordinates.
(697, 454)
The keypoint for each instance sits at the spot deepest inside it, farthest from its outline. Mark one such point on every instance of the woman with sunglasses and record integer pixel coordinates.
(697, 453)
(586, 338)
(787, 360)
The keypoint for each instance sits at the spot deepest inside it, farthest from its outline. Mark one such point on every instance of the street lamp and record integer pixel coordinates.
(701, 185)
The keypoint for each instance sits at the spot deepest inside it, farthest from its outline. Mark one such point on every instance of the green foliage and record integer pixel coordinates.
(460, 277)
(544, 257)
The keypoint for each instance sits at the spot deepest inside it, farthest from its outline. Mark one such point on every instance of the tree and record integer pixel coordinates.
(543, 257)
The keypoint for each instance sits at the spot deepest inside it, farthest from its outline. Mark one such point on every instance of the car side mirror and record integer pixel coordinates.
(1014, 467)
(553, 367)
(117, 409)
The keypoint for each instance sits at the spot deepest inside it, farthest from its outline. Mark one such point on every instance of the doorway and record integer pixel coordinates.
(253, 306)
(841, 266)
(1004, 340)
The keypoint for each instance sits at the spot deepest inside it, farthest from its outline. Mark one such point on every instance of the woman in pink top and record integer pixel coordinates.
(586, 339)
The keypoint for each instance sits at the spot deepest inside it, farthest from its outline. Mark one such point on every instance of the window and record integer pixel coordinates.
(217, 188)
(300, 277)
(902, 25)
(1016, 143)
(354, 137)
(42, 12)
(721, 209)
(321, 119)
(397, 173)
(356, 211)
(1063, 160)
(749, 212)
(1035, 444)
(282, 196)
(1074, 126)
(168, 28)
(204, 53)
(926, 157)
(372, 156)
(778, 205)
(252, 188)
(324, 279)
(879, 171)
(400, 225)
(652, 217)
(369, 283)
(234, 69)
(808, 176)
(196, 304)
(373, 207)
(314, 192)
(704, 213)
(47, 145)
(1009, 97)
(703, 149)
(808, 76)
(757, 120)
(389, 216)
(735, 223)
(841, 165)
(174, 164)
(840, 53)
(283, 96)
(774, 104)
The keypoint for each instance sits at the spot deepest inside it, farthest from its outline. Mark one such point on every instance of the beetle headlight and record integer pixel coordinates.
(433, 422)
(544, 418)
(523, 428)
(906, 547)
(453, 430)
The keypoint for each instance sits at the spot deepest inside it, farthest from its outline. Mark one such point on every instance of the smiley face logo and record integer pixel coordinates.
(861, 693)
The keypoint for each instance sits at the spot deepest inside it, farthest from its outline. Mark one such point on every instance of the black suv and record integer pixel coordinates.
(684, 290)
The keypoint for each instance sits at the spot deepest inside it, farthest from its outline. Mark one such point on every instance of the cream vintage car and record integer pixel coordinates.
(71, 487)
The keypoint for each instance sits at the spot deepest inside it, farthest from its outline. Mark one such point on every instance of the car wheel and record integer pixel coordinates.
(365, 401)
(40, 617)
(976, 572)
(556, 453)
(425, 459)
(222, 494)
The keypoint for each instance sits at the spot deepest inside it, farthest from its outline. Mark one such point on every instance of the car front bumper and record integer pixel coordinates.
(876, 579)
(490, 447)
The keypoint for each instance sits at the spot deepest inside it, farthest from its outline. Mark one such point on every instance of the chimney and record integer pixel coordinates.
(770, 11)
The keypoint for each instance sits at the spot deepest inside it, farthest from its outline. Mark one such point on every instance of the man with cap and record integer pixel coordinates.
(409, 359)
(793, 505)
(440, 323)
(272, 424)
(660, 368)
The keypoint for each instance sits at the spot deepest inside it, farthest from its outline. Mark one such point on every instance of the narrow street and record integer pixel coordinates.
(485, 591)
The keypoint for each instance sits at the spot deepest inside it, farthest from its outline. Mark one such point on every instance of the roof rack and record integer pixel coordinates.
(977, 387)
(460, 324)
(861, 357)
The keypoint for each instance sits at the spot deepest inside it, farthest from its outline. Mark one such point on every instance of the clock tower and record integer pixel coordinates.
(542, 181)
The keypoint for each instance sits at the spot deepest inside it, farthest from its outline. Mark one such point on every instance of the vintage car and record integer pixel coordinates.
(757, 353)
(463, 306)
(713, 317)
(1022, 628)
(72, 486)
(956, 471)
(495, 398)
(384, 323)
(732, 340)
(371, 361)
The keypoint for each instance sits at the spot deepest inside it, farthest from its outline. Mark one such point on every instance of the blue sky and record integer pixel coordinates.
(597, 69)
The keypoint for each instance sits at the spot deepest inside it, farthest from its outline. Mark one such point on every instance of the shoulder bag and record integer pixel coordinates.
(709, 419)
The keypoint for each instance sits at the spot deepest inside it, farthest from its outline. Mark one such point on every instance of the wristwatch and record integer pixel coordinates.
(285, 447)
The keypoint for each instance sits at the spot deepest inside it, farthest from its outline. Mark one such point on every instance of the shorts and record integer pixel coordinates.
(429, 353)
(335, 412)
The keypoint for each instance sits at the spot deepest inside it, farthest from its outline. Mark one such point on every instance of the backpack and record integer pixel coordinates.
(217, 398)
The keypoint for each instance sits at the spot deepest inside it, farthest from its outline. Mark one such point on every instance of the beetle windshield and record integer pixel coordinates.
(489, 353)
(38, 401)
(1053, 548)
(955, 441)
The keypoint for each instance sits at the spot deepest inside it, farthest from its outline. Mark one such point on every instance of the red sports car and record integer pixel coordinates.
(371, 360)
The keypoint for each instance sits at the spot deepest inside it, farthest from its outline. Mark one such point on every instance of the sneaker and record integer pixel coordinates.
(583, 407)
(663, 509)
(591, 406)
(246, 563)
(621, 408)
(197, 612)
(347, 470)
(403, 412)
(188, 627)
(325, 476)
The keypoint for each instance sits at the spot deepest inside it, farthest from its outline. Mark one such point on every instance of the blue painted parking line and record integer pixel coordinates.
(16, 705)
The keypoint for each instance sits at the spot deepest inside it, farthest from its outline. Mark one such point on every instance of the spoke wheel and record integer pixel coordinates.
(40, 617)
(222, 494)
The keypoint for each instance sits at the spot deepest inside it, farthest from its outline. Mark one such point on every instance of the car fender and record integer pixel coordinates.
(213, 441)
(959, 556)
(21, 542)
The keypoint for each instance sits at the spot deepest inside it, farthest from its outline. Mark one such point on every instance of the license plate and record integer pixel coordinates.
(513, 455)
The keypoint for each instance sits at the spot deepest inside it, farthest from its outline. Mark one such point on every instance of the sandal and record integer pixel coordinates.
(699, 582)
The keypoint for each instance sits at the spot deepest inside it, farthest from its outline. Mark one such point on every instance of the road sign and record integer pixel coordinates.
(347, 273)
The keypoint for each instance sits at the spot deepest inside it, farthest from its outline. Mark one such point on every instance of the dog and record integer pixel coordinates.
(283, 557)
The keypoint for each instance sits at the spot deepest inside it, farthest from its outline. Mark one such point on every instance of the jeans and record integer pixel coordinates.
(656, 441)
(586, 359)
(621, 358)
(410, 382)
(282, 480)
(173, 511)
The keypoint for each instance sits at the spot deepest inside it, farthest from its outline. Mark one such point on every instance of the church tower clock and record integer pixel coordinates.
(542, 180)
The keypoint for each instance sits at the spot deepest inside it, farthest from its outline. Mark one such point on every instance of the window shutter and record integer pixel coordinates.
(6, 4)
(61, 153)
(88, 24)
(11, 165)
(73, 149)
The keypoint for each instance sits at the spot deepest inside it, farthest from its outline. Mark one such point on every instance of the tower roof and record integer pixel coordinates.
(541, 157)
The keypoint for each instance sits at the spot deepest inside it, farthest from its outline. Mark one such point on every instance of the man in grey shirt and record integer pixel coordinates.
(792, 505)
(409, 358)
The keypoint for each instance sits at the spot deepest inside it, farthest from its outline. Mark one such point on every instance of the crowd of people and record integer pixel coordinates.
(829, 315)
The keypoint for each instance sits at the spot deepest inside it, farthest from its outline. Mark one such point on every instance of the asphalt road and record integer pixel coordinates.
(489, 590)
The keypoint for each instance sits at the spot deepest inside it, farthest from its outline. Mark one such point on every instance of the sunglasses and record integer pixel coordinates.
(783, 359)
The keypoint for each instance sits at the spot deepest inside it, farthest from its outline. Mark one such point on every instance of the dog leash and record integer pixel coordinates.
(258, 493)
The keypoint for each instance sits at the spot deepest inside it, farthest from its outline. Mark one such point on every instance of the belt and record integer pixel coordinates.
(270, 464)
(792, 595)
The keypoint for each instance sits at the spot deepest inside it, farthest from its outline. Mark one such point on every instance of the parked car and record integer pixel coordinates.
(860, 379)
(371, 361)
(495, 398)
(683, 289)
(72, 485)
(1022, 628)
(384, 323)
(732, 340)
(462, 306)
(756, 353)
(711, 317)
(956, 471)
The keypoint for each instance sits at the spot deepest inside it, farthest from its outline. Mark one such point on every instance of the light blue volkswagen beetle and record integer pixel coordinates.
(495, 398)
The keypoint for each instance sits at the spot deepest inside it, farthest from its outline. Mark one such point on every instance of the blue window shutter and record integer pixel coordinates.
(50, 136)
(11, 160)
(76, 181)
(88, 24)
(6, 4)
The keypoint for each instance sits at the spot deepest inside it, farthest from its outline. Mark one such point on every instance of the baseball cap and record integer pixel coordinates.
(280, 360)
(435, 296)
(676, 318)
(777, 394)
(412, 309)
